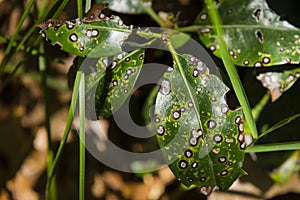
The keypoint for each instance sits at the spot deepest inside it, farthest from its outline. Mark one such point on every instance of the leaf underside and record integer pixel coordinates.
(201, 138)
(126, 6)
(279, 82)
(254, 34)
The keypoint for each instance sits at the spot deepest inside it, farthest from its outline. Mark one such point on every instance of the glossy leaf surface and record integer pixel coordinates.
(127, 6)
(201, 138)
(279, 82)
(96, 35)
(111, 84)
(254, 34)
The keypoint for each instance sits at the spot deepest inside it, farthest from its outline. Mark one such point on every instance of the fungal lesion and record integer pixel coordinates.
(98, 12)
(257, 14)
(259, 35)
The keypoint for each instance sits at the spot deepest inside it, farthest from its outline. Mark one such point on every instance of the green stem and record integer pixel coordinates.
(279, 125)
(260, 106)
(43, 68)
(82, 138)
(284, 146)
(79, 9)
(88, 4)
(66, 131)
(18, 28)
(230, 68)
(149, 10)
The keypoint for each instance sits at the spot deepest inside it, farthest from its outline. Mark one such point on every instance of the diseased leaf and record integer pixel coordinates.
(201, 138)
(109, 86)
(279, 82)
(96, 35)
(127, 6)
(254, 34)
(286, 170)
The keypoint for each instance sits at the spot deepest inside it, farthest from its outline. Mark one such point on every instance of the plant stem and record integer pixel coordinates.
(67, 129)
(42, 66)
(284, 146)
(260, 106)
(149, 10)
(82, 138)
(79, 9)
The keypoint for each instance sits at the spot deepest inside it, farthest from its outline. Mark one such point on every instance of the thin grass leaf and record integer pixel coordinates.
(82, 138)
(279, 125)
(230, 68)
(283, 146)
(66, 131)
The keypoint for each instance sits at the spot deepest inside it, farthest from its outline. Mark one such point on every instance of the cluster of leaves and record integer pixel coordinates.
(202, 139)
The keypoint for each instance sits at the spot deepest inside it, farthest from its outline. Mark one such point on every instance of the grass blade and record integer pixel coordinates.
(284, 146)
(230, 68)
(66, 131)
(82, 138)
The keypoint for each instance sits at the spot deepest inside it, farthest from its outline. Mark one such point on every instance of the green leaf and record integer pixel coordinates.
(110, 85)
(96, 35)
(284, 172)
(201, 138)
(279, 82)
(254, 34)
(127, 6)
(283, 146)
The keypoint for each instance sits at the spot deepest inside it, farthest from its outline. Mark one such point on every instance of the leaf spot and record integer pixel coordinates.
(266, 60)
(259, 36)
(188, 153)
(202, 179)
(176, 114)
(217, 138)
(165, 87)
(224, 108)
(195, 73)
(141, 57)
(194, 165)
(73, 37)
(81, 48)
(222, 159)
(183, 164)
(212, 48)
(246, 62)
(205, 30)
(203, 16)
(216, 150)
(229, 11)
(160, 129)
(224, 173)
(229, 163)
(211, 124)
(287, 61)
(157, 120)
(238, 120)
(257, 14)
(115, 83)
(258, 64)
